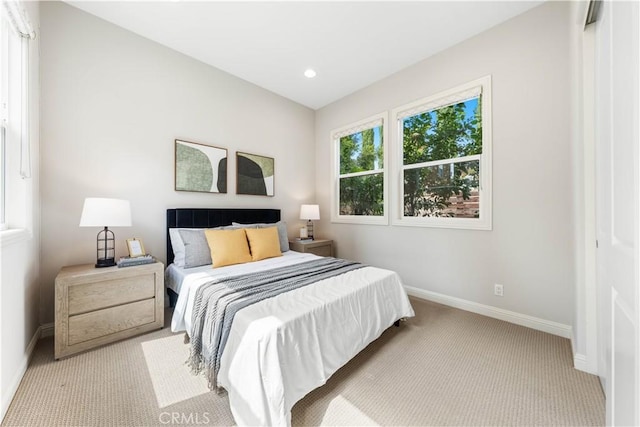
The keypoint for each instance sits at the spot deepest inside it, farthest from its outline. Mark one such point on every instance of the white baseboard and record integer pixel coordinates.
(548, 326)
(17, 378)
(581, 363)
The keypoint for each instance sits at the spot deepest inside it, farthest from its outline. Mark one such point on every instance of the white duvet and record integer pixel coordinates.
(282, 348)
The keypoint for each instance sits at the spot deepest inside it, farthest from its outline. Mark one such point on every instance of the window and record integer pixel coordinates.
(15, 159)
(444, 159)
(360, 187)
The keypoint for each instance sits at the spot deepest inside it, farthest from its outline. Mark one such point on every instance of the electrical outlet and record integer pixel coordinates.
(497, 290)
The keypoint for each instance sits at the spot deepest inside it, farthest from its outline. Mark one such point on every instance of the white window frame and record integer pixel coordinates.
(335, 135)
(17, 34)
(443, 99)
(4, 118)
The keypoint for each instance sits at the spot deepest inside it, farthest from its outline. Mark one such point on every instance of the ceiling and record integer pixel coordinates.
(349, 44)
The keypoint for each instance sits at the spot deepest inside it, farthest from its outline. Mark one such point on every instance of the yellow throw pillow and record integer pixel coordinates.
(264, 242)
(228, 247)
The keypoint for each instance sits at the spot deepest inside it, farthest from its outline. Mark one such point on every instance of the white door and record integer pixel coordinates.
(618, 198)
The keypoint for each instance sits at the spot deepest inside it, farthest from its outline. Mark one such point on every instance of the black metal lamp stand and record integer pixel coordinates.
(106, 249)
(310, 229)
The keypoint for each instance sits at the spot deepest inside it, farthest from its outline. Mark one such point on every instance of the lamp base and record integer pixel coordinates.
(310, 229)
(106, 249)
(106, 262)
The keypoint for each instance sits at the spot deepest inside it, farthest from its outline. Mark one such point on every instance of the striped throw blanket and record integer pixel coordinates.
(217, 302)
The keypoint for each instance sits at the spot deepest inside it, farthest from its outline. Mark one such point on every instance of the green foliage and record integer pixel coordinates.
(428, 190)
(358, 152)
(362, 195)
(445, 133)
(348, 146)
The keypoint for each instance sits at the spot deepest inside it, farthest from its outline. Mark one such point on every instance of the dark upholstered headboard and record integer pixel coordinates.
(214, 217)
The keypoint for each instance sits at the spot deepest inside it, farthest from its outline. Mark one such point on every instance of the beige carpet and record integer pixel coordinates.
(443, 367)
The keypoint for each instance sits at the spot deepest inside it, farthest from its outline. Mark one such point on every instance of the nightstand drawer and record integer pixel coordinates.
(88, 326)
(97, 306)
(86, 297)
(320, 247)
(320, 250)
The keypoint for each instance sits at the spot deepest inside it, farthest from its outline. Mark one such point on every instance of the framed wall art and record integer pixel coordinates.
(200, 167)
(255, 174)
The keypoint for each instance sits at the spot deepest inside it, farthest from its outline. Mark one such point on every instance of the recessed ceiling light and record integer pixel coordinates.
(309, 73)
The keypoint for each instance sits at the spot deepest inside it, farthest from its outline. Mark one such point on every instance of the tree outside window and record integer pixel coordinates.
(360, 182)
(451, 134)
(444, 159)
(361, 176)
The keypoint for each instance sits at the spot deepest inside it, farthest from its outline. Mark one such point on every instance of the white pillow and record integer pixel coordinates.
(178, 245)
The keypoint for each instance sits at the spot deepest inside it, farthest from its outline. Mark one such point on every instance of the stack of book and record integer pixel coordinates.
(139, 260)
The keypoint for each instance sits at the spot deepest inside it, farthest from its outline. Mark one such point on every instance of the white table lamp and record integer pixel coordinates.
(310, 213)
(99, 212)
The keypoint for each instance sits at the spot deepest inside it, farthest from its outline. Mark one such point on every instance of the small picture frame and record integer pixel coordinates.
(135, 247)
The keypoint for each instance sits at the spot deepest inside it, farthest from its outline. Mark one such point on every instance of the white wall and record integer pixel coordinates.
(112, 105)
(20, 250)
(530, 249)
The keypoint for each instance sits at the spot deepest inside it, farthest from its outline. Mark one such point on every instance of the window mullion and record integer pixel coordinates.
(363, 173)
(442, 162)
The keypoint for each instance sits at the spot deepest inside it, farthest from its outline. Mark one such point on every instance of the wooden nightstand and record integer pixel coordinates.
(97, 306)
(318, 247)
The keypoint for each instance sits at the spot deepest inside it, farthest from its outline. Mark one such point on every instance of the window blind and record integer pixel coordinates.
(446, 101)
(357, 128)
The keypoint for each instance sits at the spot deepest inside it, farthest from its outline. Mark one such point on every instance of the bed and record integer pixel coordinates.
(281, 348)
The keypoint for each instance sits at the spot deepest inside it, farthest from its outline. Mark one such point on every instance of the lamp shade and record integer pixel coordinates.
(99, 212)
(310, 212)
